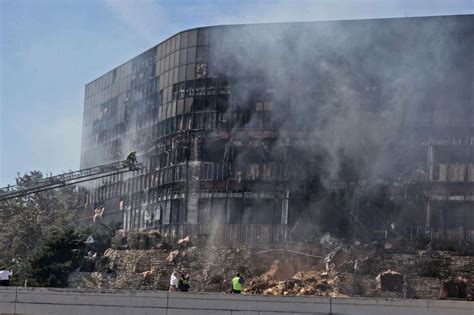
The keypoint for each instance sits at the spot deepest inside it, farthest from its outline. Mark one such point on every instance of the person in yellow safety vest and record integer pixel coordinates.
(237, 282)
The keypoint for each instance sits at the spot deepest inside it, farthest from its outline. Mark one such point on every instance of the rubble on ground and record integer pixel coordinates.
(184, 240)
(172, 257)
(302, 283)
(330, 269)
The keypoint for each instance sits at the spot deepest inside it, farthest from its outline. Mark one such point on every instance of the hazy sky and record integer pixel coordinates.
(51, 49)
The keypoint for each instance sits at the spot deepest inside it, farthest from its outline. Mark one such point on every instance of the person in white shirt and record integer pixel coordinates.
(5, 277)
(174, 282)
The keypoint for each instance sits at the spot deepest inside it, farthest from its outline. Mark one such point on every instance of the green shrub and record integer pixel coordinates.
(50, 264)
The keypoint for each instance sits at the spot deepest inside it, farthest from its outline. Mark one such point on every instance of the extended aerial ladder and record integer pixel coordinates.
(70, 178)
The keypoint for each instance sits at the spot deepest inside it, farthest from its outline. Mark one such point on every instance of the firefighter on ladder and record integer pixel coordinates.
(131, 160)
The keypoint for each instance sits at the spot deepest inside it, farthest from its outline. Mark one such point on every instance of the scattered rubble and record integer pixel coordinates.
(333, 269)
(170, 259)
(184, 241)
(302, 283)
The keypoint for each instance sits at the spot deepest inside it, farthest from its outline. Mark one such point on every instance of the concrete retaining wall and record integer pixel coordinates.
(71, 302)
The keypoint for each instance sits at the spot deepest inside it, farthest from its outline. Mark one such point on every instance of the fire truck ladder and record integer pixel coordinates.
(70, 178)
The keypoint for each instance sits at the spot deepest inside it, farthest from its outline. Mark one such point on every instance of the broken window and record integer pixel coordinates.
(188, 102)
(180, 107)
(181, 90)
(443, 172)
(204, 210)
(174, 217)
(201, 70)
(471, 172)
(198, 121)
(169, 94)
(456, 172)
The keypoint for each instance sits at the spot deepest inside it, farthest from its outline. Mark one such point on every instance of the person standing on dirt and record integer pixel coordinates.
(174, 282)
(237, 282)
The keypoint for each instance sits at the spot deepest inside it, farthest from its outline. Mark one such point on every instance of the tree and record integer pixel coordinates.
(50, 263)
(38, 230)
(25, 220)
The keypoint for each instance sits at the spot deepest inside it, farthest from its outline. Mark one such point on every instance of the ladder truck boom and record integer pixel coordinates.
(70, 178)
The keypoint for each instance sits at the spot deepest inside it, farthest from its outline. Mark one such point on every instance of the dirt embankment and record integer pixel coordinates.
(316, 270)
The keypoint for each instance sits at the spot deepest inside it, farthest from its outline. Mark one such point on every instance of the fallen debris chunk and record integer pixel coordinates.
(98, 213)
(389, 281)
(387, 245)
(172, 257)
(456, 288)
(326, 240)
(337, 295)
(184, 241)
(147, 274)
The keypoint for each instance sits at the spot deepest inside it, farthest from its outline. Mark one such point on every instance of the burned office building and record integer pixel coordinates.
(353, 127)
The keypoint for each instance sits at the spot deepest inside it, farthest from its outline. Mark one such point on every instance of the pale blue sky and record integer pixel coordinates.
(50, 49)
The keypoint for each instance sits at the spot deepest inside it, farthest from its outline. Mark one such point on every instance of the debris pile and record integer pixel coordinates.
(302, 283)
(331, 269)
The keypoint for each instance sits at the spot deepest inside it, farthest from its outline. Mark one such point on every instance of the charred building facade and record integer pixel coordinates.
(352, 127)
